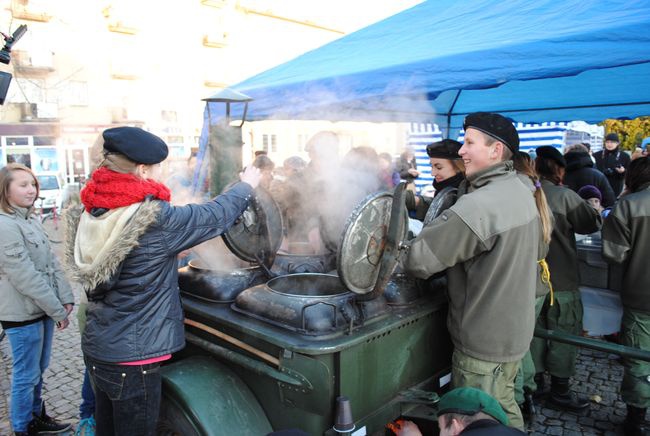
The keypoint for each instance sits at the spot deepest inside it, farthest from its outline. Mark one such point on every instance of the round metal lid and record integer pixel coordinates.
(257, 234)
(441, 202)
(368, 237)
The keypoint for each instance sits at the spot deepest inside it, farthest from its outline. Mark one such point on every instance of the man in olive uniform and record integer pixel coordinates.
(571, 215)
(489, 243)
(626, 233)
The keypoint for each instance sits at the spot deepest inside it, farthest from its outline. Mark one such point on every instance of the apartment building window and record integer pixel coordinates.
(270, 142)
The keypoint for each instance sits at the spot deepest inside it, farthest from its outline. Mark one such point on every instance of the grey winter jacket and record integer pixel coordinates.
(138, 314)
(626, 236)
(32, 283)
(489, 242)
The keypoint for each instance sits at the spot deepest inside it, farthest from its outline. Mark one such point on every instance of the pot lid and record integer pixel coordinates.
(367, 252)
(257, 234)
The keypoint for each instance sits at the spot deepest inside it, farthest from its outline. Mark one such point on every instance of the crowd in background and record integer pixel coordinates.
(507, 246)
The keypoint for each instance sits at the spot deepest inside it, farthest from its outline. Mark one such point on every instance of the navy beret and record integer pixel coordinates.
(495, 125)
(445, 149)
(552, 153)
(136, 144)
(612, 137)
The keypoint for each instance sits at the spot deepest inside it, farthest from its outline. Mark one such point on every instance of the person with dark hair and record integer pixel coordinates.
(389, 177)
(562, 309)
(122, 246)
(447, 170)
(489, 243)
(625, 237)
(612, 161)
(580, 171)
(266, 167)
(35, 296)
(407, 167)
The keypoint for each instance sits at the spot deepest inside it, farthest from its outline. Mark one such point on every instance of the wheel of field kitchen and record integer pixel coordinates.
(198, 397)
(174, 420)
(441, 202)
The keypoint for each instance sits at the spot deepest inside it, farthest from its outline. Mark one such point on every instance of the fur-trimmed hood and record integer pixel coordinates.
(95, 247)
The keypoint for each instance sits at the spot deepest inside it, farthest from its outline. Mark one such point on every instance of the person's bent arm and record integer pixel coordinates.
(616, 237)
(21, 272)
(186, 226)
(444, 243)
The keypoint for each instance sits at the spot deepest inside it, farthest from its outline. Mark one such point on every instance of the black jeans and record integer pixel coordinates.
(127, 398)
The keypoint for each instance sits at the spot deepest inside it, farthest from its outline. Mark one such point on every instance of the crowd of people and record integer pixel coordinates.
(507, 247)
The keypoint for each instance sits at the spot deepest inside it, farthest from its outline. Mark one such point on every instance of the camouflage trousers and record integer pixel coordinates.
(497, 379)
(566, 316)
(635, 332)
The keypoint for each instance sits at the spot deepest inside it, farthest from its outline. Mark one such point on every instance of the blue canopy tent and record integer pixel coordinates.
(532, 61)
(438, 61)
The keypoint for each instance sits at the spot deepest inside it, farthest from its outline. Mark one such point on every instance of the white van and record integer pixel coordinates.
(51, 191)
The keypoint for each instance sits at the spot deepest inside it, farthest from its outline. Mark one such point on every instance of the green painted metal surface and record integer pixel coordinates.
(225, 156)
(594, 344)
(214, 398)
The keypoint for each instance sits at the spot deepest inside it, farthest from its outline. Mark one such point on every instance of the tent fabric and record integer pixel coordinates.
(532, 61)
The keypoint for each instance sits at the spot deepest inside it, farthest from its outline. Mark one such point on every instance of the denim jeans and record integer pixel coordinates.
(127, 398)
(31, 348)
(87, 407)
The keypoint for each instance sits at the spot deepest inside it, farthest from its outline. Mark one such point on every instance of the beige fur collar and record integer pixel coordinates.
(95, 247)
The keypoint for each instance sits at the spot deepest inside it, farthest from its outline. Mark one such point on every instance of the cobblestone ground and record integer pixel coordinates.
(598, 376)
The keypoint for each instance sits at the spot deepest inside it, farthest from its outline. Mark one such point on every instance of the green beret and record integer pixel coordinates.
(470, 401)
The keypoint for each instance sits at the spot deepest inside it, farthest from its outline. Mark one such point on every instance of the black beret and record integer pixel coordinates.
(612, 137)
(495, 125)
(136, 144)
(445, 149)
(548, 152)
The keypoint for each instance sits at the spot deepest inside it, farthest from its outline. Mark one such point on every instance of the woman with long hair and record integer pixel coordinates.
(626, 233)
(122, 247)
(34, 295)
(562, 309)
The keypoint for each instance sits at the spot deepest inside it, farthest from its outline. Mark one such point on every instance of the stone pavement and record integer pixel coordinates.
(598, 377)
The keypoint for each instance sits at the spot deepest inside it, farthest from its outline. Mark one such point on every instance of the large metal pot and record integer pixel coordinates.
(300, 258)
(213, 285)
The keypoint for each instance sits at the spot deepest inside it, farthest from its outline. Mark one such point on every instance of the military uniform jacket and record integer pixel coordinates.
(572, 215)
(32, 283)
(626, 236)
(489, 242)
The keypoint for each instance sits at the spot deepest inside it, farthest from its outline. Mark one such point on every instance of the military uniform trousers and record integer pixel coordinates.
(565, 316)
(496, 379)
(635, 332)
(526, 374)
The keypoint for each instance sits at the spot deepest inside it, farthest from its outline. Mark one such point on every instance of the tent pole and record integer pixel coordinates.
(451, 109)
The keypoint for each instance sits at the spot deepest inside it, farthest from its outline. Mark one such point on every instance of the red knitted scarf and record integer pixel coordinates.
(109, 190)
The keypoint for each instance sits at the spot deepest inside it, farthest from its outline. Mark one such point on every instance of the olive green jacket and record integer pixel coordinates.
(626, 240)
(489, 243)
(32, 283)
(572, 215)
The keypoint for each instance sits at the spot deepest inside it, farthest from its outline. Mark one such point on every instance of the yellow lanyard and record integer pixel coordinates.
(546, 276)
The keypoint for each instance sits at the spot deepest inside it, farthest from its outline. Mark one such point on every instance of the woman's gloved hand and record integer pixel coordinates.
(251, 175)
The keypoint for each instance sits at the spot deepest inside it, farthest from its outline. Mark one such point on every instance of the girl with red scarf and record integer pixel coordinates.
(122, 247)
